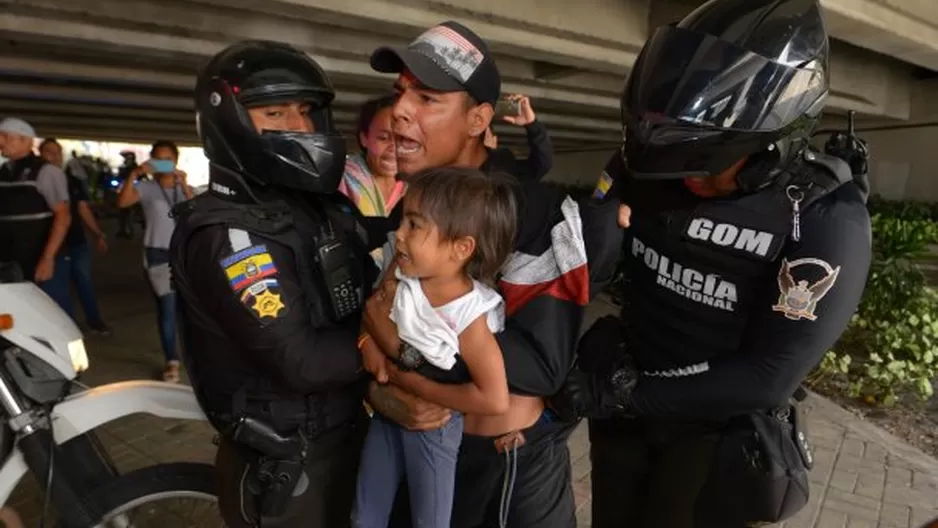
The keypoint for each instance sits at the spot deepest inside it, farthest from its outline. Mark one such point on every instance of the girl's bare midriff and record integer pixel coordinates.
(523, 412)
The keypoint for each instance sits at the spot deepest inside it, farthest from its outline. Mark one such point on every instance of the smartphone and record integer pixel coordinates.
(507, 107)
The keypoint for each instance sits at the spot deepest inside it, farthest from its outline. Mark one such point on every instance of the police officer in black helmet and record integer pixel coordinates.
(746, 255)
(270, 267)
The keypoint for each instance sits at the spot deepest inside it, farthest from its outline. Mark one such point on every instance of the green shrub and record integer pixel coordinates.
(898, 238)
(891, 344)
(904, 210)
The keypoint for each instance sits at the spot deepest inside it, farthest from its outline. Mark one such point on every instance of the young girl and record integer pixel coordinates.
(458, 228)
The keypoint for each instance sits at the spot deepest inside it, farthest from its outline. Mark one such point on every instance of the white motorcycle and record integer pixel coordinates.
(47, 420)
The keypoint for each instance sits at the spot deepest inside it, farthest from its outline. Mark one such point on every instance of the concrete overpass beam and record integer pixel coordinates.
(904, 29)
(90, 35)
(600, 35)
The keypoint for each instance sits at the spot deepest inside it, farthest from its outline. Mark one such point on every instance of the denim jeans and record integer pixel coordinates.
(166, 320)
(58, 286)
(428, 458)
(165, 306)
(80, 274)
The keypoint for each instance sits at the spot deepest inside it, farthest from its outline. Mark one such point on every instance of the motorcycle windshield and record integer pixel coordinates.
(701, 80)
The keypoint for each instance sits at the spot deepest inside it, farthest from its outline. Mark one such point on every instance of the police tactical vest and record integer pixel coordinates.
(25, 217)
(285, 225)
(697, 268)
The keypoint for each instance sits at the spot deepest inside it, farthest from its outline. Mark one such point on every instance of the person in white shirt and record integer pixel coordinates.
(458, 229)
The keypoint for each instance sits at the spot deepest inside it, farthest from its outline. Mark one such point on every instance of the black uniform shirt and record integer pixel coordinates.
(789, 325)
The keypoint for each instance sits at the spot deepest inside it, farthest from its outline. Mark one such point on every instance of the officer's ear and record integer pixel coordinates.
(463, 248)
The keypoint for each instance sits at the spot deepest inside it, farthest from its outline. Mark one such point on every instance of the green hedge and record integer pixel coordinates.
(891, 345)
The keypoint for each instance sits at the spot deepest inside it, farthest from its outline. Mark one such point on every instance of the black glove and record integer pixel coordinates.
(596, 395)
(576, 398)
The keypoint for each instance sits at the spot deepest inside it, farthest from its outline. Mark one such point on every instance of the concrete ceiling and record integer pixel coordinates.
(125, 69)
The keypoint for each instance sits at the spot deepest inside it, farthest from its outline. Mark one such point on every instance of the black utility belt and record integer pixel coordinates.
(317, 415)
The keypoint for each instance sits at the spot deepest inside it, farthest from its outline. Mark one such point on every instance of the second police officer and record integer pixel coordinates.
(746, 255)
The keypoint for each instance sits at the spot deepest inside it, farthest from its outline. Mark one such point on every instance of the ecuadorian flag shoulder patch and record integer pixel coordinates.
(602, 186)
(248, 266)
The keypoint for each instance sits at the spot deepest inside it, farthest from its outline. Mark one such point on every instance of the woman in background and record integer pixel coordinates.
(369, 179)
(158, 196)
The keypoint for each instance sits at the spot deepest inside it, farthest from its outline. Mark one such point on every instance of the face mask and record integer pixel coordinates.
(162, 166)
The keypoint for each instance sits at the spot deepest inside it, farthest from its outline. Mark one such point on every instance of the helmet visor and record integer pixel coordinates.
(310, 162)
(701, 80)
(672, 151)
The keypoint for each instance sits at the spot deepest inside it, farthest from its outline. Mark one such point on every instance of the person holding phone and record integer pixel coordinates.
(158, 196)
(516, 109)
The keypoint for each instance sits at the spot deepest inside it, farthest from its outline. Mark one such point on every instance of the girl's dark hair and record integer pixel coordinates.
(164, 143)
(467, 202)
(367, 114)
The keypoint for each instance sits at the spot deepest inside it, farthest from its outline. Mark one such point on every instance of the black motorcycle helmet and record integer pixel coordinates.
(259, 73)
(734, 79)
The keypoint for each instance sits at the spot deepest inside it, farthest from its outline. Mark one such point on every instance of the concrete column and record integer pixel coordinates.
(903, 161)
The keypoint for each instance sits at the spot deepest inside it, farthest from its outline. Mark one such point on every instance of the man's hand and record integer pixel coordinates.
(625, 216)
(377, 317)
(596, 395)
(406, 409)
(398, 376)
(181, 176)
(526, 116)
(102, 244)
(45, 269)
(575, 399)
(374, 361)
(142, 169)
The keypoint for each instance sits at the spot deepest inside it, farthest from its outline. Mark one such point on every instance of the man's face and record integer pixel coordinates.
(15, 146)
(284, 117)
(52, 152)
(431, 128)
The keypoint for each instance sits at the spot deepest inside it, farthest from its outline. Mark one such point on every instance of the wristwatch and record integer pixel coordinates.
(409, 358)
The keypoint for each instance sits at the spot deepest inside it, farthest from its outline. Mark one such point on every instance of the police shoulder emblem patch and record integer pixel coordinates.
(248, 266)
(265, 300)
(798, 300)
(602, 186)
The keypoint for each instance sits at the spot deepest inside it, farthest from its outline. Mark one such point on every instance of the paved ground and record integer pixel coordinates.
(863, 477)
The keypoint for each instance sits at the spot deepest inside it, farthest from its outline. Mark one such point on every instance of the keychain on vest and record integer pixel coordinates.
(795, 195)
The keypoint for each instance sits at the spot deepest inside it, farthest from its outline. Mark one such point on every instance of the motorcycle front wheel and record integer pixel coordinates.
(185, 491)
